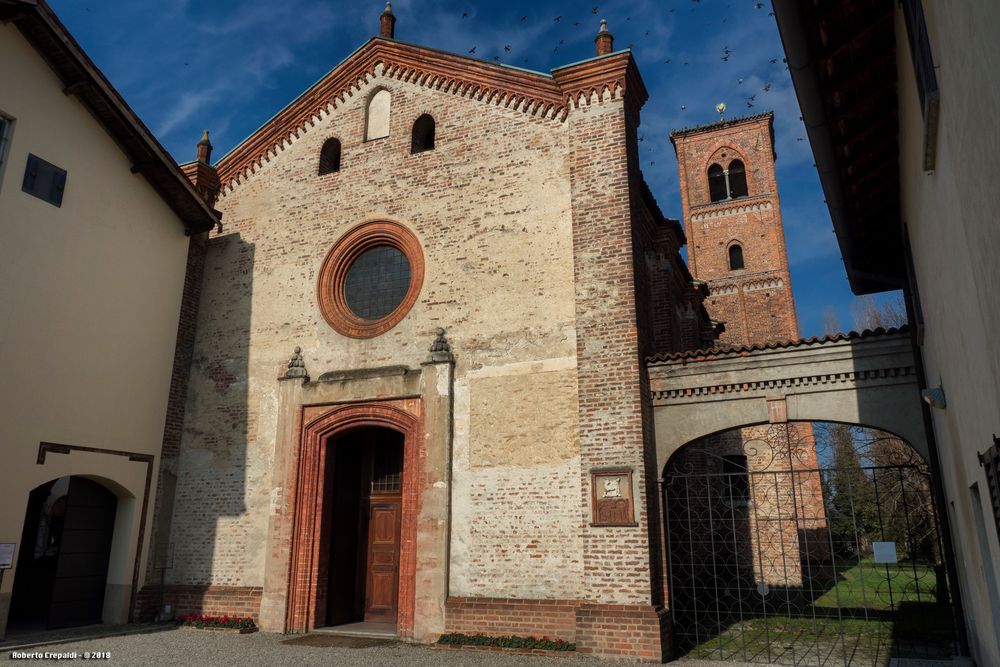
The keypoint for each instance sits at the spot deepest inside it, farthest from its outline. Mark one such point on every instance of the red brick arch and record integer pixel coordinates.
(308, 516)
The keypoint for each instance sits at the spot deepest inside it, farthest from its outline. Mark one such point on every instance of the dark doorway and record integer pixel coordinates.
(363, 504)
(62, 567)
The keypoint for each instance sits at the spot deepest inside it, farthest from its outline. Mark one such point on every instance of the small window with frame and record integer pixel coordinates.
(44, 180)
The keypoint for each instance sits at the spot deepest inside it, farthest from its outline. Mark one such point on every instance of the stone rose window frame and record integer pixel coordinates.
(332, 275)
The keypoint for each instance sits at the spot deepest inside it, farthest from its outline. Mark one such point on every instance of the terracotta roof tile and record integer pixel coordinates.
(743, 350)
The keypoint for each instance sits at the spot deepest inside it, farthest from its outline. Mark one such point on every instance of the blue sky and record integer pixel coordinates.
(229, 65)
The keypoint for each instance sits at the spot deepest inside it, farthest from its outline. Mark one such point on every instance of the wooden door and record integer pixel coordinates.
(382, 580)
(81, 570)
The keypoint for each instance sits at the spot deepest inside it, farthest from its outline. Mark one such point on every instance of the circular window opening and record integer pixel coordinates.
(370, 279)
(377, 282)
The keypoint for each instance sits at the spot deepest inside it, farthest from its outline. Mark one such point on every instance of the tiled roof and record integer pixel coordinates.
(721, 123)
(743, 350)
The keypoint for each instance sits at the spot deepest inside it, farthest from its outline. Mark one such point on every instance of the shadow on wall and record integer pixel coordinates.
(202, 563)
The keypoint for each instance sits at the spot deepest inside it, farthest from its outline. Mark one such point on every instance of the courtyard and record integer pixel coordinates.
(169, 646)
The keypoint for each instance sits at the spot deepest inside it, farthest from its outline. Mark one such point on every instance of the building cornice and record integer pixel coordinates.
(546, 96)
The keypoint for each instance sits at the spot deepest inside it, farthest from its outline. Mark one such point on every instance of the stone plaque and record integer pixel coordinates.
(612, 497)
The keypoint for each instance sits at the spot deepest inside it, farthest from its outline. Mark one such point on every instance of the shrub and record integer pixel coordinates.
(461, 639)
(224, 621)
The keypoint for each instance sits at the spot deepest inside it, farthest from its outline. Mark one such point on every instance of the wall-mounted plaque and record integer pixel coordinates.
(612, 497)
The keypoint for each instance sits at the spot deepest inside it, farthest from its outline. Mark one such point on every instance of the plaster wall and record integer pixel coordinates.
(954, 232)
(490, 206)
(90, 294)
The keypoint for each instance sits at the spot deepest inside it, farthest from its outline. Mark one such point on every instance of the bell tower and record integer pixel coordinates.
(732, 217)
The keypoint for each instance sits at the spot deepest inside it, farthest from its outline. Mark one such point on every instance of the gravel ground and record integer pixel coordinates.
(187, 647)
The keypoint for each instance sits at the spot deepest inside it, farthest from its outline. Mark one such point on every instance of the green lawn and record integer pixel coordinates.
(856, 622)
(878, 586)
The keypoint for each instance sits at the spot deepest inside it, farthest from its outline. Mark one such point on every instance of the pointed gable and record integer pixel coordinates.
(543, 95)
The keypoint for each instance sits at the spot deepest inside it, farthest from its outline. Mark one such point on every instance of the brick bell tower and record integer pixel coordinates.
(732, 216)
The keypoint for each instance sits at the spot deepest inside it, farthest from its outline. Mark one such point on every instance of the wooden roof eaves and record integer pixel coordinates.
(82, 79)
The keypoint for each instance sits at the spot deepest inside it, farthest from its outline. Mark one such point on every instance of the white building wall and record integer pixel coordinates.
(954, 231)
(90, 296)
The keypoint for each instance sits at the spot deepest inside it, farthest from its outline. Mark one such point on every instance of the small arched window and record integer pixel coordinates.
(329, 156)
(735, 257)
(377, 120)
(716, 183)
(423, 134)
(737, 179)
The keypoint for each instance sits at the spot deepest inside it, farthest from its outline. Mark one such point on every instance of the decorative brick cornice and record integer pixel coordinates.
(661, 396)
(613, 75)
(731, 206)
(546, 96)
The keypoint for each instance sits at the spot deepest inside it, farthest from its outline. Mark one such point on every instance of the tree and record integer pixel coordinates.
(872, 314)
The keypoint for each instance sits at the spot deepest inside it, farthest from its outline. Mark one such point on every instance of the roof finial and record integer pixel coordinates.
(205, 149)
(720, 109)
(387, 22)
(605, 41)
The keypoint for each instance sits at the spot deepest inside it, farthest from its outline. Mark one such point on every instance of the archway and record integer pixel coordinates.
(62, 566)
(807, 543)
(360, 541)
(350, 437)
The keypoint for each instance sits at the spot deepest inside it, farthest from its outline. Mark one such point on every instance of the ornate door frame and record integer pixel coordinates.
(308, 506)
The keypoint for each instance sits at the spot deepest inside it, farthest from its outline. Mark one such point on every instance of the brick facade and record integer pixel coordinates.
(754, 302)
(548, 262)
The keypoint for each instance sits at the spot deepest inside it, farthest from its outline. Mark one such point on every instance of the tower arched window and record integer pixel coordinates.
(329, 156)
(423, 134)
(737, 176)
(735, 257)
(717, 188)
(377, 118)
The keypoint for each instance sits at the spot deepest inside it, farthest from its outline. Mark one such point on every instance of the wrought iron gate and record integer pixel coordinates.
(785, 551)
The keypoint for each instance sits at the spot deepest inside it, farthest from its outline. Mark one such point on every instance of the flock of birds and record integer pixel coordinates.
(749, 97)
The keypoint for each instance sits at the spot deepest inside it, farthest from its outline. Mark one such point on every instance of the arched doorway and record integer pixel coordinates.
(360, 536)
(62, 567)
(806, 543)
(356, 489)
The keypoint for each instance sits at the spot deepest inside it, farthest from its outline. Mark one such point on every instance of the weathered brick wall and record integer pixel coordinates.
(555, 619)
(616, 560)
(755, 302)
(239, 601)
(491, 208)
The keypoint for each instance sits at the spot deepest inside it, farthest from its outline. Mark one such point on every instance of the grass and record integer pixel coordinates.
(879, 586)
(855, 622)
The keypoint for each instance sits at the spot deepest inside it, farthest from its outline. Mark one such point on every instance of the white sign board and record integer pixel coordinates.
(885, 552)
(7, 556)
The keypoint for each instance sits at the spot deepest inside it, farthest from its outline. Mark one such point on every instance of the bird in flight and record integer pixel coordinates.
(524, 18)
(593, 10)
(506, 48)
(465, 15)
(472, 50)
(558, 18)
(766, 88)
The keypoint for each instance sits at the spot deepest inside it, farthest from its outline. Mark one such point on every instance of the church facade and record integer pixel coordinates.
(461, 443)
